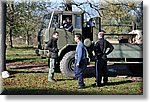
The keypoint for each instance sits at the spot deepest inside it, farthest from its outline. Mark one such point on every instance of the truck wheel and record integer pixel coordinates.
(67, 64)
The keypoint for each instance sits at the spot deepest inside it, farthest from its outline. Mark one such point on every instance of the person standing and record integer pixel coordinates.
(53, 52)
(80, 61)
(102, 48)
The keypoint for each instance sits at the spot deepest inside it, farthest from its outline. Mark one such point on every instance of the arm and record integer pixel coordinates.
(70, 27)
(79, 53)
(110, 48)
(49, 46)
(98, 51)
(96, 45)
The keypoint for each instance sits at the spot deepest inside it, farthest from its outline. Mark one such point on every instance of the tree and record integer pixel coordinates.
(24, 18)
(10, 21)
(117, 12)
(114, 12)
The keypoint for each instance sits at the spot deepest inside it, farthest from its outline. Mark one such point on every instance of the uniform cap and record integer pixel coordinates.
(102, 31)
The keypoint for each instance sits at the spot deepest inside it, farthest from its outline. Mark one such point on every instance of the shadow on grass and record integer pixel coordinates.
(15, 72)
(113, 83)
(30, 67)
(50, 91)
(23, 47)
(19, 60)
(119, 82)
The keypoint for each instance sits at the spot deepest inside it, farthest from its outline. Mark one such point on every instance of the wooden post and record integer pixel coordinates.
(2, 36)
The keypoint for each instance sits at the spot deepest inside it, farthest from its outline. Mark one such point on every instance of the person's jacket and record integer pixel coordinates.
(52, 47)
(101, 48)
(68, 26)
(80, 53)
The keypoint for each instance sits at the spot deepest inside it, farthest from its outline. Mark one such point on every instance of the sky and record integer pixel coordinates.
(86, 7)
(57, 3)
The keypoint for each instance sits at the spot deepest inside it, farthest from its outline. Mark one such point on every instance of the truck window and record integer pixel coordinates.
(64, 17)
(78, 21)
(45, 20)
(67, 23)
(55, 22)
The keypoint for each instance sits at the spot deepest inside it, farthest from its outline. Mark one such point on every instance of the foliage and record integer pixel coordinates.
(24, 18)
(121, 14)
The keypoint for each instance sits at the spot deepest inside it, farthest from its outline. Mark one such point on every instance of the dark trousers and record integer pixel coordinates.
(101, 71)
(79, 71)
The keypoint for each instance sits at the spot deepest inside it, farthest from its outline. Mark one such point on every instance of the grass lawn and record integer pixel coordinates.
(28, 82)
(31, 83)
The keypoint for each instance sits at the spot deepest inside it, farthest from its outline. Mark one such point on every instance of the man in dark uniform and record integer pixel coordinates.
(53, 52)
(101, 51)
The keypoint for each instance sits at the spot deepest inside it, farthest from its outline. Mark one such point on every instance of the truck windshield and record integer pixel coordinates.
(45, 21)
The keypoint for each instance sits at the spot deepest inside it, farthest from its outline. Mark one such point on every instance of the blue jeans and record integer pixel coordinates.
(101, 71)
(79, 71)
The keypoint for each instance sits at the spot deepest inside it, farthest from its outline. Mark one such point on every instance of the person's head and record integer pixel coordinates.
(67, 19)
(77, 37)
(101, 34)
(55, 35)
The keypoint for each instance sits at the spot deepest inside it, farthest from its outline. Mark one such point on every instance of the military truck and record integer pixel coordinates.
(66, 44)
(124, 51)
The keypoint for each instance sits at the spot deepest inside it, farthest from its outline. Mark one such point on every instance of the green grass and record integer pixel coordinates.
(27, 82)
(36, 83)
(23, 54)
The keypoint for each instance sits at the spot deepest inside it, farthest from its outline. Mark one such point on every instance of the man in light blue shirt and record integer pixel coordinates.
(80, 61)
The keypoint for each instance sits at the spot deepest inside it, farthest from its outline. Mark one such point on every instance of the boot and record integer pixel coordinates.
(51, 77)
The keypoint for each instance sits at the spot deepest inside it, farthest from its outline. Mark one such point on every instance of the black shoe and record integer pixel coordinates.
(75, 78)
(81, 87)
(105, 83)
(52, 80)
(96, 85)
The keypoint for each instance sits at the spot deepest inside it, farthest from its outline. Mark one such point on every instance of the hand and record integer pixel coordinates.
(77, 65)
(55, 50)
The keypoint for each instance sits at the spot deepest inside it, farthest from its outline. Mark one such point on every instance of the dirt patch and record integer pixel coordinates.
(29, 66)
(136, 79)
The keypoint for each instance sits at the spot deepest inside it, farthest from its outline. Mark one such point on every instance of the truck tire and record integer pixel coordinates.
(67, 64)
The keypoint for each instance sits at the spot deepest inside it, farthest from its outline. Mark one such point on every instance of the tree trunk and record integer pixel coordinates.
(11, 5)
(3, 36)
(28, 38)
(10, 38)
